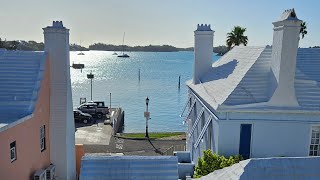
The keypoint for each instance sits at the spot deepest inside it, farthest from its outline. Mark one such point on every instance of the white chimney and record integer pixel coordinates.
(203, 48)
(284, 57)
(62, 136)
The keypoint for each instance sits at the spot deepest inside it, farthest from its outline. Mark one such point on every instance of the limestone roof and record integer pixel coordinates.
(21, 73)
(241, 78)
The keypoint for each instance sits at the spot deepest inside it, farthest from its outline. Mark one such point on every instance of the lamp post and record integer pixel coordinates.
(90, 76)
(147, 116)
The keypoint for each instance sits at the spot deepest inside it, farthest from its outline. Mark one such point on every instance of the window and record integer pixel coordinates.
(315, 144)
(13, 151)
(42, 138)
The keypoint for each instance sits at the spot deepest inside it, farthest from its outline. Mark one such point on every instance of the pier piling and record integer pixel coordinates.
(179, 82)
(139, 75)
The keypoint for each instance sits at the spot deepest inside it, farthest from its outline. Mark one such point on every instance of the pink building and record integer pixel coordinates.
(36, 119)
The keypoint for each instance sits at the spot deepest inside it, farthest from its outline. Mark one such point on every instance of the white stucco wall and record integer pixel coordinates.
(268, 139)
(280, 139)
(229, 138)
(205, 144)
(273, 134)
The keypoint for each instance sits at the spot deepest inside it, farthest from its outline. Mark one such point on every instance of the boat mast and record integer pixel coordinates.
(123, 43)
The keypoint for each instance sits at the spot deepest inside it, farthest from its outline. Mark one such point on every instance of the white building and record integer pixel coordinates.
(255, 101)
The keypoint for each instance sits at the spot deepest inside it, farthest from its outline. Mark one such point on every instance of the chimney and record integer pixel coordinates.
(284, 56)
(62, 137)
(203, 48)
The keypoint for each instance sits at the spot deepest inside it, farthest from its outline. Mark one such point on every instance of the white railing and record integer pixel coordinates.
(170, 150)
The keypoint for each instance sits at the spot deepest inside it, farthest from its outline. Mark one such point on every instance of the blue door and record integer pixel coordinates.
(245, 140)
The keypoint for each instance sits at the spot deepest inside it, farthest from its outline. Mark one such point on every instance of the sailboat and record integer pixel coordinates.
(80, 53)
(123, 55)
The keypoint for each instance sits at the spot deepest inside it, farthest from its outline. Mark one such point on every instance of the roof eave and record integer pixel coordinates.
(264, 108)
(17, 122)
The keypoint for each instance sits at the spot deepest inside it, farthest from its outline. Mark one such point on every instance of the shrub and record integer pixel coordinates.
(212, 161)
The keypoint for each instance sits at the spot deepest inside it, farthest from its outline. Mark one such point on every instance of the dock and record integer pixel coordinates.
(100, 132)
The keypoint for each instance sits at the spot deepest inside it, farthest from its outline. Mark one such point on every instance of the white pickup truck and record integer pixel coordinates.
(95, 108)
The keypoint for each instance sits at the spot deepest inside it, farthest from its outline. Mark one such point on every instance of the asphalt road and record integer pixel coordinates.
(133, 147)
(97, 138)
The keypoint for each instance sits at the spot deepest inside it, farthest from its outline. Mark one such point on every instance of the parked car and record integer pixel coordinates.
(80, 116)
(96, 109)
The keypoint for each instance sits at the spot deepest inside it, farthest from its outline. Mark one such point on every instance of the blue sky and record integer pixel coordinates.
(153, 22)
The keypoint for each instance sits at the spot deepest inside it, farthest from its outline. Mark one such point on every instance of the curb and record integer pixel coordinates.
(122, 137)
(158, 139)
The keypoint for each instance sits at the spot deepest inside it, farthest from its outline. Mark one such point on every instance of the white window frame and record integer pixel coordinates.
(13, 150)
(314, 148)
(42, 138)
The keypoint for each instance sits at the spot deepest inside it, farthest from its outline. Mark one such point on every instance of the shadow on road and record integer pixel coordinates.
(157, 150)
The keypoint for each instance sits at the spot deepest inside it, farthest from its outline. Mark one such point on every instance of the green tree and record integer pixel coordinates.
(236, 37)
(12, 45)
(303, 29)
(211, 162)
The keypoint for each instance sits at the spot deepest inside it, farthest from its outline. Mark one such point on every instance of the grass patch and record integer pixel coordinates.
(154, 135)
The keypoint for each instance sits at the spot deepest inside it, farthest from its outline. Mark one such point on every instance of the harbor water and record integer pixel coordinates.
(159, 77)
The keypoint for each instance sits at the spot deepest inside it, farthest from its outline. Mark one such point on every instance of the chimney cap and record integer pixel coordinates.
(289, 14)
(203, 27)
(57, 24)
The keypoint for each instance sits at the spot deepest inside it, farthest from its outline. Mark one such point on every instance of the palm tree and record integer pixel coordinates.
(236, 37)
(303, 29)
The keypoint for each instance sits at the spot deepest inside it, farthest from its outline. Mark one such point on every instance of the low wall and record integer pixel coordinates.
(79, 154)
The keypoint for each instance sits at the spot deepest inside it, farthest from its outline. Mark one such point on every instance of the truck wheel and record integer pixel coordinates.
(99, 115)
(85, 121)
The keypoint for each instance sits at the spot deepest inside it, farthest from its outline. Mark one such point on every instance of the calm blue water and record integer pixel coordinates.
(119, 76)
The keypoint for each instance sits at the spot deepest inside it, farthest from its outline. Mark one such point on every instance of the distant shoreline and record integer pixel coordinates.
(39, 46)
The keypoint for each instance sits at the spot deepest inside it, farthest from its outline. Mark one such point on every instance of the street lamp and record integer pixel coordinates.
(90, 76)
(147, 116)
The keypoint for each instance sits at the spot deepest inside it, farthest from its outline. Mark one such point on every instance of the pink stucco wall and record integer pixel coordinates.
(27, 137)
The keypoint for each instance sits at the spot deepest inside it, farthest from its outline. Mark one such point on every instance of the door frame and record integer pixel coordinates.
(251, 138)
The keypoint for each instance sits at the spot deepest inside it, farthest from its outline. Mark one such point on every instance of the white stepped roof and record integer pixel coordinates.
(240, 79)
(129, 167)
(21, 73)
(270, 168)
